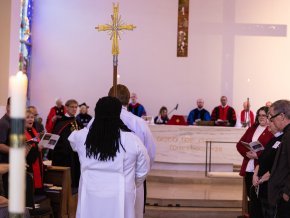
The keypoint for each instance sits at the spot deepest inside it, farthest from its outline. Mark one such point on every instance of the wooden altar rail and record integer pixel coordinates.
(208, 169)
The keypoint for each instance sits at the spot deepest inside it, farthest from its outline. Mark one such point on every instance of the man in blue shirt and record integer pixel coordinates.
(198, 114)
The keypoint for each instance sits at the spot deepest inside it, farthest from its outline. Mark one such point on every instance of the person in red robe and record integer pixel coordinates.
(55, 113)
(224, 115)
(247, 116)
(33, 152)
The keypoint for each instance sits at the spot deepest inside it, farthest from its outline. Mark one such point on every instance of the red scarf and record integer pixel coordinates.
(37, 168)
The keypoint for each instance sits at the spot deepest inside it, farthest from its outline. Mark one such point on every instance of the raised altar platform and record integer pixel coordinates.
(184, 147)
(175, 194)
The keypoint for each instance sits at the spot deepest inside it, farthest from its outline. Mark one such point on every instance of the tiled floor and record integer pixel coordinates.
(194, 191)
(191, 194)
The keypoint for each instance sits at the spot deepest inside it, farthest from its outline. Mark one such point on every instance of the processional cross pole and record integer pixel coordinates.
(114, 29)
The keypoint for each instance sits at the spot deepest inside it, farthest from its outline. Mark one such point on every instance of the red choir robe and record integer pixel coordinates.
(243, 117)
(54, 111)
(224, 113)
(264, 138)
(34, 158)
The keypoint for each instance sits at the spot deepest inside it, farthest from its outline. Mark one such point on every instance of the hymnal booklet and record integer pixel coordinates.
(253, 146)
(49, 140)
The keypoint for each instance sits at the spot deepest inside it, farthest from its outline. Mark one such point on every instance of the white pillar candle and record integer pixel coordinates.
(18, 90)
(17, 180)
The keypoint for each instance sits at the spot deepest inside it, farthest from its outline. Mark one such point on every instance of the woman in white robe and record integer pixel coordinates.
(113, 163)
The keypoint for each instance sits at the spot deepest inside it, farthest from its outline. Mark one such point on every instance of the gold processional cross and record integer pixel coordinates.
(114, 28)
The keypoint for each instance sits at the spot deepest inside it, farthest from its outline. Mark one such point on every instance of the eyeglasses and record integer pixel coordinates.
(270, 117)
(74, 107)
(262, 115)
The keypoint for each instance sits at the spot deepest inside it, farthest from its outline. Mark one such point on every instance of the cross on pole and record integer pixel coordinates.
(114, 28)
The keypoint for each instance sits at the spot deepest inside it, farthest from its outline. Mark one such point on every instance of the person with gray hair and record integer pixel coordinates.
(279, 182)
(55, 114)
(135, 107)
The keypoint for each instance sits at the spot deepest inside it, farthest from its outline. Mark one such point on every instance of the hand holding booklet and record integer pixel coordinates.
(253, 146)
(49, 140)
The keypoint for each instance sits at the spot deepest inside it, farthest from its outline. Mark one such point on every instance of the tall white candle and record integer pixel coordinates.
(18, 90)
(17, 180)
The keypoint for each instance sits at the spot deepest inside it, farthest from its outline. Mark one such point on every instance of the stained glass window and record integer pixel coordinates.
(25, 38)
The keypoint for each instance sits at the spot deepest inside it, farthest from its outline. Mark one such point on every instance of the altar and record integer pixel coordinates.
(184, 147)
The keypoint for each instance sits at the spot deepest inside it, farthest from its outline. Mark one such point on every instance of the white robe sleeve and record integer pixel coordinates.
(77, 138)
(149, 144)
(142, 164)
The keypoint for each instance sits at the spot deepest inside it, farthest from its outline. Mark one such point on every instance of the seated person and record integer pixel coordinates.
(33, 152)
(247, 116)
(135, 107)
(198, 114)
(268, 104)
(224, 115)
(162, 118)
(4, 208)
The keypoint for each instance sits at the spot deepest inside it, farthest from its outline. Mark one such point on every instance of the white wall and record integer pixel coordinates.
(5, 10)
(72, 60)
(9, 45)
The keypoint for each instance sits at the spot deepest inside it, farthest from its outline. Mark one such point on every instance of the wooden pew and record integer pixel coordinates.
(59, 176)
(64, 201)
(72, 204)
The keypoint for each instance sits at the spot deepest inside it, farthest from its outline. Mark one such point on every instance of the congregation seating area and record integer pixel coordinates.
(58, 201)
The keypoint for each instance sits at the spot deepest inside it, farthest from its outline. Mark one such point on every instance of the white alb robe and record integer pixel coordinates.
(141, 129)
(107, 189)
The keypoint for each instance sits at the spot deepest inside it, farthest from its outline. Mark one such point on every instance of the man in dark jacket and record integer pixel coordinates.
(279, 182)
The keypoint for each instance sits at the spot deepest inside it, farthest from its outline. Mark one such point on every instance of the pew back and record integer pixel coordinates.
(60, 177)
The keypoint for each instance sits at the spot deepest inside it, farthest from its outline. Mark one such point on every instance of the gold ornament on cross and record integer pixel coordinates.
(115, 27)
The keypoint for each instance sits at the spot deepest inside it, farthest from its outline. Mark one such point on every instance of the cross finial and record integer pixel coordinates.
(115, 27)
